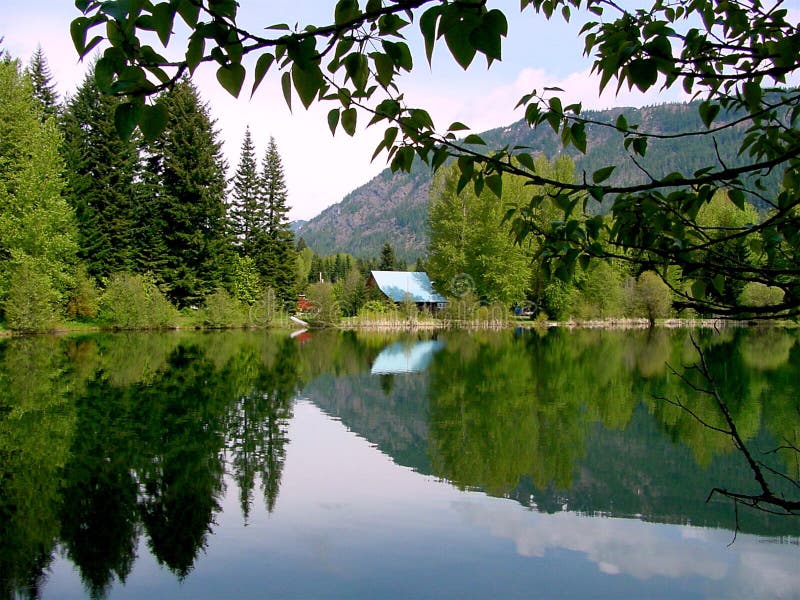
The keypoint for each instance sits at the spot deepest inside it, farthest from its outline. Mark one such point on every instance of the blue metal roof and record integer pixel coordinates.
(399, 284)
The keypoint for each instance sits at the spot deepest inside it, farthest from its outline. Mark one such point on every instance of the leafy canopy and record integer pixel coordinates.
(730, 56)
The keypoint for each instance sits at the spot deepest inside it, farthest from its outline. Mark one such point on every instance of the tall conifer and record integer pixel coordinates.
(276, 256)
(44, 90)
(102, 182)
(247, 215)
(188, 205)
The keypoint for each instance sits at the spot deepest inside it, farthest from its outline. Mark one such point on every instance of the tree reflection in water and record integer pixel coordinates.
(107, 439)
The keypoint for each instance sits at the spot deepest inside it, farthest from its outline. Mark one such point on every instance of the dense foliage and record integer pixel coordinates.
(120, 232)
(733, 56)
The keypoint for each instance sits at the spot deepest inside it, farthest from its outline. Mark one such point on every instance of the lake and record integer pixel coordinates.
(515, 464)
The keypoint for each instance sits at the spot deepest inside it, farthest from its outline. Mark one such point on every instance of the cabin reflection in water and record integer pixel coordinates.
(404, 357)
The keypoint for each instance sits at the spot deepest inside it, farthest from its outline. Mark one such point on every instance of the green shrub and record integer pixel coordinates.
(558, 299)
(375, 307)
(83, 303)
(759, 294)
(653, 296)
(408, 309)
(245, 284)
(325, 311)
(135, 302)
(32, 302)
(220, 310)
(266, 311)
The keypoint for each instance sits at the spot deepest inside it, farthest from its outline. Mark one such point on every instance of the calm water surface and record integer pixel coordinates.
(515, 465)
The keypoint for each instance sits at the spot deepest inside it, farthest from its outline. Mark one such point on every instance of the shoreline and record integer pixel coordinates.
(388, 325)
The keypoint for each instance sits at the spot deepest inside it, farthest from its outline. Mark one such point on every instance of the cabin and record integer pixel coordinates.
(400, 286)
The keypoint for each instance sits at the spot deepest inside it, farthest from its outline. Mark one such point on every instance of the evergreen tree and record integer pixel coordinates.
(188, 206)
(246, 213)
(275, 255)
(388, 262)
(44, 90)
(101, 176)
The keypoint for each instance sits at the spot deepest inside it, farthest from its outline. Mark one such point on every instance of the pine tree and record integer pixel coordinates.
(246, 212)
(388, 262)
(188, 204)
(102, 182)
(276, 256)
(44, 90)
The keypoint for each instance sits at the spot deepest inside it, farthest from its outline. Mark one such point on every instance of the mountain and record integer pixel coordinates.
(392, 207)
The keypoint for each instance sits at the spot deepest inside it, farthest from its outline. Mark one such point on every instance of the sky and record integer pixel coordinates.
(320, 168)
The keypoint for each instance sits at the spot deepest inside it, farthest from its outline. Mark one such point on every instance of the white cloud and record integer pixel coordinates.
(749, 568)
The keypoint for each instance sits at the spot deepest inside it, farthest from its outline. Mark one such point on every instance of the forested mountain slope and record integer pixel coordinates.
(393, 207)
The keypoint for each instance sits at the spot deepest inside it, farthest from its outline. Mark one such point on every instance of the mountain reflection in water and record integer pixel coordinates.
(504, 464)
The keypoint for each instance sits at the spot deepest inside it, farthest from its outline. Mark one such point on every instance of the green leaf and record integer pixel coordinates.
(163, 16)
(384, 67)
(189, 12)
(195, 51)
(708, 112)
(578, 132)
(495, 183)
(78, 29)
(104, 72)
(719, 283)
(126, 117)
(263, 64)
(307, 82)
(601, 175)
(460, 46)
(333, 120)
(466, 165)
(349, 120)
(643, 73)
(526, 160)
(752, 93)
(346, 10)
(286, 85)
(427, 25)
(357, 69)
(389, 136)
(474, 140)
(457, 126)
(231, 77)
(153, 121)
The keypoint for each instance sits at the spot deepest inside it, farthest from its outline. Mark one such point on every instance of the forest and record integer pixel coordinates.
(102, 231)
(136, 233)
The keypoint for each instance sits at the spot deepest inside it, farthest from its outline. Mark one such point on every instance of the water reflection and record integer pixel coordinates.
(406, 357)
(115, 446)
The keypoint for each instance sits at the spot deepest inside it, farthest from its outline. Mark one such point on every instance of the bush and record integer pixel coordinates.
(135, 302)
(653, 296)
(245, 284)
(265, 311)
(220, 310)
(376, 307)
(32, 302)
(759, 294)
(558, 299)
(325, 311)
(83, 303)
(408, 309)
